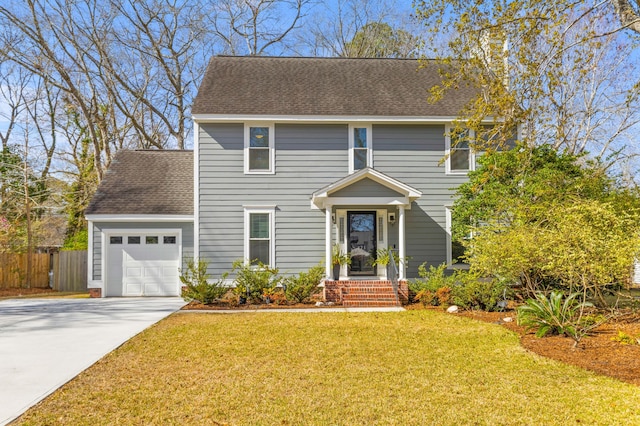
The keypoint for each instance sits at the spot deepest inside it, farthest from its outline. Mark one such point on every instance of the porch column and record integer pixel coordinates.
(401, 243)
(328, 265)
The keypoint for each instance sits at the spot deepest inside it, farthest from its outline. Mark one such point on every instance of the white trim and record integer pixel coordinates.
(106, 233)
(431, 119)
(382, 236)
(447, 152)
(323, 196)
(341, 215)
(328, 246)
(271, 211)
(272, 145)
(447, 228)
(89, 252)
(196, 190)
(364, 201)
(138, 218)
(368, 128)
(402, 252)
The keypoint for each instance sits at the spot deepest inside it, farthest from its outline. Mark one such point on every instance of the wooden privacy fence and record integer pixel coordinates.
(13, 269)
(70, 271)
(68, 268)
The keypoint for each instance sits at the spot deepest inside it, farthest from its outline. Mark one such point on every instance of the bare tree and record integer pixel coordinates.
(358, 28)
(256, 27)
(43, 40)
(155, 56)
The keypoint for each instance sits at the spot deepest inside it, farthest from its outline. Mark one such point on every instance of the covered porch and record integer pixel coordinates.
(365, 216)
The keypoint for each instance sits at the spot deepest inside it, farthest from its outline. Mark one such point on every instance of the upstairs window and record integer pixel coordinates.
(259, 148)
(460, 158)
(360, 152)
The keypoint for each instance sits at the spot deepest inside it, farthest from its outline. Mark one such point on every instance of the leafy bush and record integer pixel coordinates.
(299, 288)
(252, 279)
(274, 295)
(424, 289)
(463, 288)
(562, 216)
(430, 279)
(426, 297)
(470, 291)
(198, 287)
(555, 314)
(443, 294)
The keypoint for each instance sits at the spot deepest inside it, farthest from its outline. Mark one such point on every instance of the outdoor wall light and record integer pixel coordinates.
(392, 218)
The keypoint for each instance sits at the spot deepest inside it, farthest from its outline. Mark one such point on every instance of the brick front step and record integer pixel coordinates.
(361, 293)
(369, 303)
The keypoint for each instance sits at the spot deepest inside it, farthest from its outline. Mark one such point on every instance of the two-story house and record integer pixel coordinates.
(291, 157)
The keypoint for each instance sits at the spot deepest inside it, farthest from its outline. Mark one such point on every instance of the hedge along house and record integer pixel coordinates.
(296, 155)
(141, 224)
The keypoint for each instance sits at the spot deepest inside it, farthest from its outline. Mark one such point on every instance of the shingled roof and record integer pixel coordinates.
(324, 87)
(146, 182)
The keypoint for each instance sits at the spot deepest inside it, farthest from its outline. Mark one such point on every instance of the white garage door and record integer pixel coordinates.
(142, 264)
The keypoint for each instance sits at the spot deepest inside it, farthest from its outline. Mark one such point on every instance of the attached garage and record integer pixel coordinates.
(142, 264)
(141, 224)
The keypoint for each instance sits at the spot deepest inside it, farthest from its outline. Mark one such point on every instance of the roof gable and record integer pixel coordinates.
(366, 187)
(277, 86)
(394, 192)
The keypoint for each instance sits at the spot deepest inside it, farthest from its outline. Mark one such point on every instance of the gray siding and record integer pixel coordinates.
(366, 188)
(98, 227)
(310, 157)
(413, 155)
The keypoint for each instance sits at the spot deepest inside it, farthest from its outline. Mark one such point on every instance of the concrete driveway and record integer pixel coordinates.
(46, 343)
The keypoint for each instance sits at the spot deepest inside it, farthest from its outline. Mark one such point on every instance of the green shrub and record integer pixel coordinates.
(253, 279)
(463, 288)
(555, 314)
(198, 287)
(470, 291)
(431, 280)
(299, 288)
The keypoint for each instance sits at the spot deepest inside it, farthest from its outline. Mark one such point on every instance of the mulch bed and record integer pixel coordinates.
(597, 352)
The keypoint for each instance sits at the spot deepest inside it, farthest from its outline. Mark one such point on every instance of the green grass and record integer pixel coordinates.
(403, 368)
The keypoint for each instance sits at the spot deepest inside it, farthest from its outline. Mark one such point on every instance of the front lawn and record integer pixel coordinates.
(414, 367)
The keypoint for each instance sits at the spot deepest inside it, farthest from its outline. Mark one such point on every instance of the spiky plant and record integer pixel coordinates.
(555, 314)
